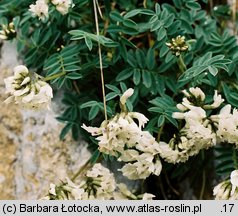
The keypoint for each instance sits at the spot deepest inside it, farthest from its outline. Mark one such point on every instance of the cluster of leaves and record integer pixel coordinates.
(134, 54)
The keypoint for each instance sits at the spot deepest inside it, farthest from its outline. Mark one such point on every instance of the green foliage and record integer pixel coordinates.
(88, 38)
(66, 61)
(164, 107)
(226, 159)
(206, 63)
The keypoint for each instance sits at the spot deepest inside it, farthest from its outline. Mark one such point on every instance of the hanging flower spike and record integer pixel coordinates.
(28, 89)
(122, 137)
(40, 9)
(197, 133)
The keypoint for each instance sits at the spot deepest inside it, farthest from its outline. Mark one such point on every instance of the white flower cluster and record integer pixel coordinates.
(227, 125)
(41, 7)
(197, 133)
(98, 183)
(62, 6)
(28, 89)
(123, 138)
(227, 190)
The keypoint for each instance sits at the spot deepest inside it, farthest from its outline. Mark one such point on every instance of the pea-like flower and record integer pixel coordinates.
(222, 191)
(28, 89)
(40, 9)
(198, 132)
(97, 183)
(227, 190)
(226, 123)
(234, 178)
(122, 136)
(62, 6)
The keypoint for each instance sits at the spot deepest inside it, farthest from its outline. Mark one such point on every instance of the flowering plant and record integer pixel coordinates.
(150, 86)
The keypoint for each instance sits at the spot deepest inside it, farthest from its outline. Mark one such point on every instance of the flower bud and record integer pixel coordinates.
(177, 45)
(126, 95)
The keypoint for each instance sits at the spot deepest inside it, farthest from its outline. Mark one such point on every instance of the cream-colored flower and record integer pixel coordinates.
(227, 124)
(102, 182)
(62, 6)
(234, 178)
(140, 117)
(27, 89)
(52, 189)
(191, 139)
(147, 143)
(157, 167)
(40, 9)
(130, 171)
(223, 191)
(129, 155)
(181, 107)
(168, 154)
(194, 114)
(147, 196)
(197, 93)
(97, 170)
(217, 101)
(126, 95)
(142, 168)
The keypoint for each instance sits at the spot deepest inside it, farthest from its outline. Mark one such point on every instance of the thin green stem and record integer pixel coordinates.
(234, 16)
(181, 64)
(100, 59)
(203, 179)
(169, 183)
(203, 185)
(48, 78)
(81, 169)
(160, 132)
(162, 189)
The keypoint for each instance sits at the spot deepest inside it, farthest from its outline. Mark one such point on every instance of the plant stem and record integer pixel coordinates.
(160, 132)
(162, 189)
(181, 64)
(81, 169)
(211, 4)
(144, 3)
(48, 78)
(203, 179)
(234, 16)
(169, 184)
(100, 59)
